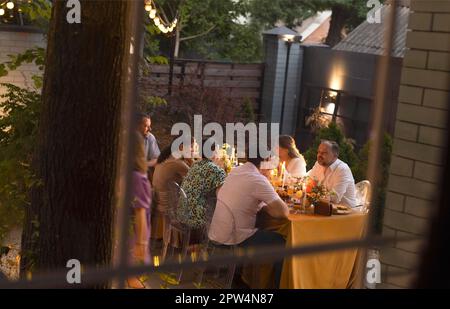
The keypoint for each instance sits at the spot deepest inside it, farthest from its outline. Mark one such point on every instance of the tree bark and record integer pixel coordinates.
(72, 209)
(339, 15)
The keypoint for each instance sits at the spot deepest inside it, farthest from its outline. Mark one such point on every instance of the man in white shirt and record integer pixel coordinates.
(244, 193)
(334, 174)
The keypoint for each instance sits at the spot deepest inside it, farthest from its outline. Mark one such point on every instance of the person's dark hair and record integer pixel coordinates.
(287, 142)
(167, 151)
(256, 161)
(140, 116)
(333, 145)
(165, 154)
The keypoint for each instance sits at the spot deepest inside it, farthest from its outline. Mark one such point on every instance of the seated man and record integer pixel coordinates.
(334, 174)
(241, 197)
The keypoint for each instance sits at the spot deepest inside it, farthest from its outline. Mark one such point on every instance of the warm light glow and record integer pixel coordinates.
(329, 108)
(157, 21)
(332, 94)
(288, 37)
(162, 28)
(10, 5)
(156, 260)
(148, 7)
(175, 21)
(152, 13)
(337, 76)
(2, 12)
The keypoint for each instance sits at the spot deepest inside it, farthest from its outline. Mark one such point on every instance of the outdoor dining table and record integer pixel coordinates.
(327, 270)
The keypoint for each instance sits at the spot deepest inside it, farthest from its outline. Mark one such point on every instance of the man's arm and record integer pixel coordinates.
(277, 209)
(153, 151)
(342, 180)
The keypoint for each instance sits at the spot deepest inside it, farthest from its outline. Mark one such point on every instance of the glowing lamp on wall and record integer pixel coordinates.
(328, 104)
(329, 108)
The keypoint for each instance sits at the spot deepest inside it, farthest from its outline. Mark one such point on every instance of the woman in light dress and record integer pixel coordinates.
(288, 153)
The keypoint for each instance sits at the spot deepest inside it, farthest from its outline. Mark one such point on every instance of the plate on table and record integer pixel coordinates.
(341, 210)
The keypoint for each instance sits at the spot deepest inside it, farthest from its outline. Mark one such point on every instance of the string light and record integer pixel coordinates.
(163, 26)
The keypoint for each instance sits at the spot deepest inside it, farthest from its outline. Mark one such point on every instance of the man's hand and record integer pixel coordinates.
(277, 209)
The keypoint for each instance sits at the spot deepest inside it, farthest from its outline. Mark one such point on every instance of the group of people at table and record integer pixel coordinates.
(241, 194)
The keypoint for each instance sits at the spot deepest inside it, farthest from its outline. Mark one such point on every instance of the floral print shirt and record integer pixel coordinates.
(203, 178)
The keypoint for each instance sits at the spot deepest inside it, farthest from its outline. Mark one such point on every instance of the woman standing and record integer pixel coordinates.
(140, 206)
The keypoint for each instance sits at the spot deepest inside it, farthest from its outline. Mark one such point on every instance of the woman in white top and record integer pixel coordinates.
(288, 153)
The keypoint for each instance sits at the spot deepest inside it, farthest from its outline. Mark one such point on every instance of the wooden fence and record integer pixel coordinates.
(236, 81)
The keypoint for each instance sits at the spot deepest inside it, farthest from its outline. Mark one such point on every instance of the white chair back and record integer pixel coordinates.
(363, 195)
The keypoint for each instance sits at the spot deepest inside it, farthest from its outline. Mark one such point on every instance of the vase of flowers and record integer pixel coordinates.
(315, 191)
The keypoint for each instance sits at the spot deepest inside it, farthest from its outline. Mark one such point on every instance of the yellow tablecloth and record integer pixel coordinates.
(329, 270)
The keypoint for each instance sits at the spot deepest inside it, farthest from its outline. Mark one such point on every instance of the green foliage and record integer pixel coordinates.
(346, 148)
(247, 111)
(18, 130)
(153, 102)
(209, 29)
(38, 12)
(378, 201)
(267, 13)
(34, 55)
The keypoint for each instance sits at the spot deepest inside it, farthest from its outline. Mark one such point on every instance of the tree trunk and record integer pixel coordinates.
(72, 209)
(339, 15)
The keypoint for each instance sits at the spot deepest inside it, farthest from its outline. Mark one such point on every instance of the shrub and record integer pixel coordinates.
(378, 200)
(346, 148)
(190, 100)
(18, 130)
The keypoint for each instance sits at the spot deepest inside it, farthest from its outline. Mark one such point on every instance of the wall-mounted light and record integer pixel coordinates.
(328, 103)
(329, 108)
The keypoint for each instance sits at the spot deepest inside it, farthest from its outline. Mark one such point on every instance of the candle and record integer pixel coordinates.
(283, 173)
(304, 195)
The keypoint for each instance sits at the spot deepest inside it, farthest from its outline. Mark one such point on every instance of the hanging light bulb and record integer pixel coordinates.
(10, 5)
(175, 21)
(148, 7)
(152, 13)
(162, 28)
(2, 12)
(157, 21)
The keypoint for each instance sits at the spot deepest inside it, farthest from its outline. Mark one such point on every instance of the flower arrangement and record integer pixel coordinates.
(315, 190)
(226, 157)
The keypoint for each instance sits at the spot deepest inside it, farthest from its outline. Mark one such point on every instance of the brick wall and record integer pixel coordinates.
(15, 43)
(419, 139)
